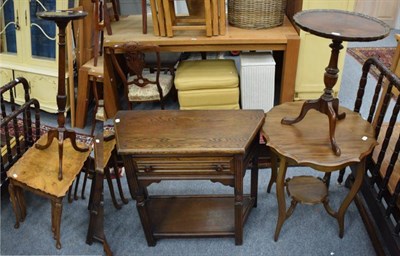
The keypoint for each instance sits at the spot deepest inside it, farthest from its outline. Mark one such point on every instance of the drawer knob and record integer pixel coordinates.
(148, 168)
(219, 168)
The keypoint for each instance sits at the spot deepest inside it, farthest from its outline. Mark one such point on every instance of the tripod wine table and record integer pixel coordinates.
(61, 18)
(339, 26)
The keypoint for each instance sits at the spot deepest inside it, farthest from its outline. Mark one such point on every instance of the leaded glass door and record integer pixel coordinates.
(9, 25)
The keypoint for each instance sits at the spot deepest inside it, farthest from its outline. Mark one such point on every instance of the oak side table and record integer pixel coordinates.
(304, 145)
(215, 145)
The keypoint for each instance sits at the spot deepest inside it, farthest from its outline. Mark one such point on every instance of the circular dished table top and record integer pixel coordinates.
(62, 15)
(341, 25)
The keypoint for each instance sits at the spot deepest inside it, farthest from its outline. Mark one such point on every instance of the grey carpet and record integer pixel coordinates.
(309, 231)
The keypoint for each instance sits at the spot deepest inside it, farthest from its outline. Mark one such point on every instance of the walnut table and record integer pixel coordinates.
(305, 145)
(214, 145)
(37, 171)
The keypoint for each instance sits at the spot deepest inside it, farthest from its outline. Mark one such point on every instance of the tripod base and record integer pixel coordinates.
(61, 134)
(327, 107)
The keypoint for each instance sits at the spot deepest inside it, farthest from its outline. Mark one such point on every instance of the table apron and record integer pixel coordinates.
(218, 47)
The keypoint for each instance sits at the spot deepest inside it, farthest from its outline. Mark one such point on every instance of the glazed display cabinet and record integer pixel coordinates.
(28, 48)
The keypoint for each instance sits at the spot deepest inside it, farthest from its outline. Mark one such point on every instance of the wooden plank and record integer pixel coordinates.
(207, 10)
(162, 18)
(154, 18)
(191, 27)
(222, 17)
(214, 19)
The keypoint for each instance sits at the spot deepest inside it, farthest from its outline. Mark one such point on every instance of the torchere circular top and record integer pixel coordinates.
(341, 25)
(62, 15)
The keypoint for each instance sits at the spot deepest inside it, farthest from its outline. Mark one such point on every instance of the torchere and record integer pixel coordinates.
(339, 26)
(61, 18)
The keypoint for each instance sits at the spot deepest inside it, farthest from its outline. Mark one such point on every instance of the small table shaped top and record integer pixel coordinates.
(167, 132)
(307, 143)
(38, 169)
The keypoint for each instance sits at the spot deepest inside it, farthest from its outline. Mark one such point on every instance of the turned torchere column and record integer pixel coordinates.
(61, 18)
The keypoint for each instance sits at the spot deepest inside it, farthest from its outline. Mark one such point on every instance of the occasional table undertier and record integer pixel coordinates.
(208, 215)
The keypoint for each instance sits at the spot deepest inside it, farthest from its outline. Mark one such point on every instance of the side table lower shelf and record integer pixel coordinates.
(195, 215)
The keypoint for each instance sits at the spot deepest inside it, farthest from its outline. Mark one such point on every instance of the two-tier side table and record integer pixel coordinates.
(307, 144)
(215, 145)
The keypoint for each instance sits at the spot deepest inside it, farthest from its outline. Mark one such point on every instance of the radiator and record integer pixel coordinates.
(257, 80)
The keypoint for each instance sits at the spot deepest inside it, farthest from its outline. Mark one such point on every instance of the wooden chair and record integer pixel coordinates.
(96, 77)
(37, 171)
(109, 153)
(91, 76)
(101, 21)
(139, 85)
(19, 128)
(109, 162)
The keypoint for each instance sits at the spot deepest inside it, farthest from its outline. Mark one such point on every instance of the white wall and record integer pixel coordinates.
(180, 7)
(128, 7)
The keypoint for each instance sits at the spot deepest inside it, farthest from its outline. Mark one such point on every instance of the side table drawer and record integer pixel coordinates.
(184, 165)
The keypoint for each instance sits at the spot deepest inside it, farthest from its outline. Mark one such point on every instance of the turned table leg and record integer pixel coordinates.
(56, 212)
(280, 194)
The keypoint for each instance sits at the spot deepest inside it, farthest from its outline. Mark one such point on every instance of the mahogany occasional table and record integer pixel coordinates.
(302, 144)
(339, 26)
(215, 145)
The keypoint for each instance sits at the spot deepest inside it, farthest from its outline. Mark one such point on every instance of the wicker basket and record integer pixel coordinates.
(256, 14)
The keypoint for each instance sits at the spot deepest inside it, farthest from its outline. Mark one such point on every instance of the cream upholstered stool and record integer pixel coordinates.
(207, 84)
